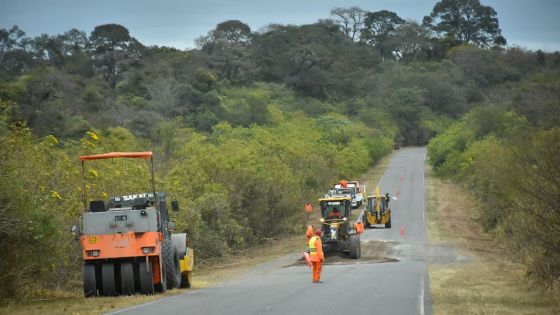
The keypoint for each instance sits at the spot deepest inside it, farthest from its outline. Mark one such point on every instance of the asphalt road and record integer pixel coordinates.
(399, 287)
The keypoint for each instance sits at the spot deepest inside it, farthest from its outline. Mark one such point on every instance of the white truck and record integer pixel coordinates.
(353, 190)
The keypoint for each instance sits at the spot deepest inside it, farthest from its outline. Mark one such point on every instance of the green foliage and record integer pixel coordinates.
(532, 229)
(114, 51)
(350, 20)
(238, 186)
(251, 125)
(38, 196)
(252, 181)
(378, 28)
(40, 192)
(484, 67)
(511, 167)
(539, 99)
(447, 150)
(465, 22)
(315, 60)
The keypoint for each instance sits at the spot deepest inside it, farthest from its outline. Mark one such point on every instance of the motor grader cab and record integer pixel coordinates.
(128, 243)
(338, 234)
(377, 210)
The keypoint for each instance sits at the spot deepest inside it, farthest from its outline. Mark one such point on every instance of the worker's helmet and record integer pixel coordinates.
(318, 232)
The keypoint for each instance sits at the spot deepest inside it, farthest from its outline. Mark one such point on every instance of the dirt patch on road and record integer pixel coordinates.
(372, 252)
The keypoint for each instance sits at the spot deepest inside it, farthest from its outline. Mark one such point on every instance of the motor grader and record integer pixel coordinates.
(128, 243)
(338, 235)
(377, 210)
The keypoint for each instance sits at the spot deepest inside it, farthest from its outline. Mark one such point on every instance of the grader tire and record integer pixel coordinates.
(90, 283)
(186, 280)
(127, 278)
(108, 279)
(388, 224)
(365, 221)
(354, 247)
(146, 277)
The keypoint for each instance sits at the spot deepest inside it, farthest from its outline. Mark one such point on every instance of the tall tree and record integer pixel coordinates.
(114, 51)
(9, 40)
(315, 60)
(234, 32)
(74, 41)
(408, 41)
(351, 21)
(49, 48)
(379, 26)
(15, 55)
(226, 50)
(231, 33)
(465, 22)
(75, 45)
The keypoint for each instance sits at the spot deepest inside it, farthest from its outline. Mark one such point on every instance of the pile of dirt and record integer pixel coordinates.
(372, 252)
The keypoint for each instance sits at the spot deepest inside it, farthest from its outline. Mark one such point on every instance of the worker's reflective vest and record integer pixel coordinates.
(312, 248)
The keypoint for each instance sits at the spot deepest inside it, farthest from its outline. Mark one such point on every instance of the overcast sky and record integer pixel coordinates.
(532, 24)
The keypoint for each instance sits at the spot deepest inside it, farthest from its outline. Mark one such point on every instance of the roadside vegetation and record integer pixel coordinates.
(252, 124)
(507, 156)
(485, 281)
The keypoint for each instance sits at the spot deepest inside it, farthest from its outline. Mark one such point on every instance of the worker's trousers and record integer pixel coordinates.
(317, 268)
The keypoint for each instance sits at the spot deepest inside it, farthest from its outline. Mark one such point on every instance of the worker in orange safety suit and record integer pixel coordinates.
(335, 214)
(343, 183)
(317, 257)
(309, 233)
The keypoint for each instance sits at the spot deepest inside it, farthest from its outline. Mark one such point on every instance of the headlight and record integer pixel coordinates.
(345, 218)
(148, 250)
(322, 220)
(92, 253)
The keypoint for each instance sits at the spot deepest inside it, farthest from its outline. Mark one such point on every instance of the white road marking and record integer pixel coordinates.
(423, 200)
(379, 182)
(421, 296)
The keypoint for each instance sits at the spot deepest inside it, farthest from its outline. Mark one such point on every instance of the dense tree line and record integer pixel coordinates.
(237, 186)
(352, 64)
(508, 154)
(247, 126)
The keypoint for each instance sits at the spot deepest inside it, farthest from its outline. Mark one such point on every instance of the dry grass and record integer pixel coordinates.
(74, 303)
(489, 283)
